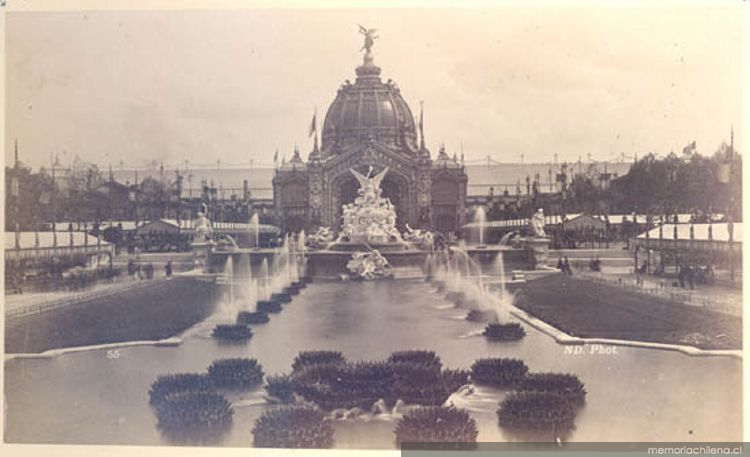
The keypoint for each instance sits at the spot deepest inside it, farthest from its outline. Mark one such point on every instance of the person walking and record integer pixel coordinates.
(566, 266)
(168, 269)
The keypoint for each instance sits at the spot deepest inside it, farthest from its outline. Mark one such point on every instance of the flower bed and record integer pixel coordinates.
(503, 373)
(232, 332)
(436, 424)
(268, 306)
(293, 427)
(567, 386)
(247, 317)
(280, 387)
(236, 373)
(307, 358)
(175, 383)
(194, 411)
(504, 332)
(536, 410)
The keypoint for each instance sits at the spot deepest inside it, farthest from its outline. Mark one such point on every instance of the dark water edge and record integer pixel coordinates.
(146, 312)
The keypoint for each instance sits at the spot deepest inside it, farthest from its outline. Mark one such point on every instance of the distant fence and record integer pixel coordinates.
(666, 291)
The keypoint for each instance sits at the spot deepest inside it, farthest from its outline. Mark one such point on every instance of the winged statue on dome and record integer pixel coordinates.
(370, 37)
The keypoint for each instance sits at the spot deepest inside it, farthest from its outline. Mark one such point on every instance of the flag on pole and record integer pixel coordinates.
(276, 156)
(313, 125)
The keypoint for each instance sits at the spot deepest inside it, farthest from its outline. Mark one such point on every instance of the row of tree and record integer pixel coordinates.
(690, 183)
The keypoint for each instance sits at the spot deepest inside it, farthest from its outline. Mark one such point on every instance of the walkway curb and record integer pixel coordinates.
(565, 339)
(52, 353)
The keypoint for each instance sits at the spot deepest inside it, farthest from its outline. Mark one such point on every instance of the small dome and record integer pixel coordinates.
(369, 109)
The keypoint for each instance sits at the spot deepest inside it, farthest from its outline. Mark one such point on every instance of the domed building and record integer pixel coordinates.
(369, 124)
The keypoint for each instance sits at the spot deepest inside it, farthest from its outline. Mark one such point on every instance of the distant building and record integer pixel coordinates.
(369, 124)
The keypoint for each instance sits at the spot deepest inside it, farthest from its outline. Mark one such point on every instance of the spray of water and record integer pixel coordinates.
(462, 274)
(480, 218)
(255, 228)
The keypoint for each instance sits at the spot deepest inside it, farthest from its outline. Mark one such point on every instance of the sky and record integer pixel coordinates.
(137, 87)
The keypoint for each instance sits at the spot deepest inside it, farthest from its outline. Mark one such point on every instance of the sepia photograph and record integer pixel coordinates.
(407, 228)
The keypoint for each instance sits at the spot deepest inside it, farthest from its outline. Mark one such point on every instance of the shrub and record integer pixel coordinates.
(436, 424)
(567, 386)
(246, 317)
(419, 384)
(498, 372)
(280, 387)
(536, 410)
(334, 386)
(416, 356)
(236, 373)
(425, 385)
(308, 381)
(194, 411)
(175, 383)
(307, 358)
(232, 332)
(267, 306)
(504, 332)
(293, 427)
(454, 379)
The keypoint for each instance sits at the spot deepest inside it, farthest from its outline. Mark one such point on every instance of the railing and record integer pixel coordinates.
(73, 298)
(724, 305)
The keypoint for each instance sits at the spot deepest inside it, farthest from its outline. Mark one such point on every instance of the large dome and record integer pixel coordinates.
(369, 110)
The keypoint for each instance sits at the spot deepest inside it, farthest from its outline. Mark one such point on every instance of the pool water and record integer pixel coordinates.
(634, 394)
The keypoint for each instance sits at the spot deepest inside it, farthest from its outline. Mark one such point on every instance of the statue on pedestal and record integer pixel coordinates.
(536, 224)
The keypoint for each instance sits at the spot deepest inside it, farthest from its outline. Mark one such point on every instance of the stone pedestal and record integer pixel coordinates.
(201, 251)
(537, 251)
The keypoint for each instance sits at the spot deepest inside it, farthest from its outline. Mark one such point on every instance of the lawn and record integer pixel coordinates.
(151, 312)
(586, 309)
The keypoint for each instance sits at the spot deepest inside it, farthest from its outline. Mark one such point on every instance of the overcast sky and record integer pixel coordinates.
(234, 85)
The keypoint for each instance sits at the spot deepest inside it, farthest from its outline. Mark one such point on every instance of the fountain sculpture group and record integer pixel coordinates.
(368, 246)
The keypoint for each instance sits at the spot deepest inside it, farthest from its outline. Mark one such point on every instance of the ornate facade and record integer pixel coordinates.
(369, 124)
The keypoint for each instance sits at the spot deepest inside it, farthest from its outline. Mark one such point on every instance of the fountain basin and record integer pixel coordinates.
(459, 298)
(281, 297)
(268, 306)
(380, 246)
(232, 332)
(406, 260)
(247, 317)
(292, 290)
(481, 315)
